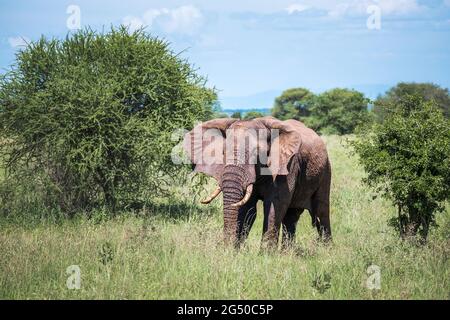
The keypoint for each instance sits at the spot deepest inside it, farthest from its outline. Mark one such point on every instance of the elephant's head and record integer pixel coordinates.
(236, 153)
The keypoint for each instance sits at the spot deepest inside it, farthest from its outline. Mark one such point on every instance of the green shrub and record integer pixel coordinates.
(87, 120)
(407, 159)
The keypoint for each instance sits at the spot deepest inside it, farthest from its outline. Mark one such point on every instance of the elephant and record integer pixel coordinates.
(285, 164)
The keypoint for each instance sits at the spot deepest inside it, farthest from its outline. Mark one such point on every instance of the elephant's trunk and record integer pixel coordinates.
(233, 181)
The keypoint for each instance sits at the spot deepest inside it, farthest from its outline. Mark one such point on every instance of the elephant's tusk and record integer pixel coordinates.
(247, 196)
(212, 196)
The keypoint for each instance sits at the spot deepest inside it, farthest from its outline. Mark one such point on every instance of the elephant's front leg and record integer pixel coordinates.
(246, 218)
(274, 212)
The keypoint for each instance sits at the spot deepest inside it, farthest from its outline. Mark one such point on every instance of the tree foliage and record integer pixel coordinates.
(236, 115)
(293, 103)
(88, 120)
(428, 91)
(407, 159)
(252, 115)
(338, 111)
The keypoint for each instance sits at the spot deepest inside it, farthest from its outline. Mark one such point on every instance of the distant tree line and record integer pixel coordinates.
(341, 111)
(248, 115)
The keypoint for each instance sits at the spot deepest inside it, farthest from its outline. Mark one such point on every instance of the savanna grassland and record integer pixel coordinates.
(173, 250)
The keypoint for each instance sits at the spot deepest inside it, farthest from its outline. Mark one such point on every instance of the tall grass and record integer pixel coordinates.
(174, 251)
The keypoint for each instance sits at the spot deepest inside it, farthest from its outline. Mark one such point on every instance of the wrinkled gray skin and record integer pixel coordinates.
(302, 181)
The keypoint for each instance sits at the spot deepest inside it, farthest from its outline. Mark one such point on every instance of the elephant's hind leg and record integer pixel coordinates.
(289, 226)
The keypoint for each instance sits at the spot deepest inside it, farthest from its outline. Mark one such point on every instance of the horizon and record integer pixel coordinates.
(253, 51)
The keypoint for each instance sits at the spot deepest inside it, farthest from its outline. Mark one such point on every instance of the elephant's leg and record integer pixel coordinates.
(321, 213)
(289, 225)
(273, 212)
(246, 218)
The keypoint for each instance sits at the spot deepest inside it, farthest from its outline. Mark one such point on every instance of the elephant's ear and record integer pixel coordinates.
(205, 144)
(285, 143)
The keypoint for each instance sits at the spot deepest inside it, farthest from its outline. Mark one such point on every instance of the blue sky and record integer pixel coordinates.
(252, 50)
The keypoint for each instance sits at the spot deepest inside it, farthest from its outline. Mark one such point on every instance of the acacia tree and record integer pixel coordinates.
(88, 119)
(407, 160)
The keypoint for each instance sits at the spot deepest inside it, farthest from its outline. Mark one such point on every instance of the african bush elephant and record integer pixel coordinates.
(283, 163)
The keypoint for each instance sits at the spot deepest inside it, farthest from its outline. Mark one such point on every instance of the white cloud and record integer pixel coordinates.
(184, 19)
(339, 9)
(399, 6)
(150, 15)
(388, 7)
(17, 42)
(295, 7)
(359, 7)
(133, 23)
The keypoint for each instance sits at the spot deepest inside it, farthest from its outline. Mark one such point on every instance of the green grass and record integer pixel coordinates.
(175, 252)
